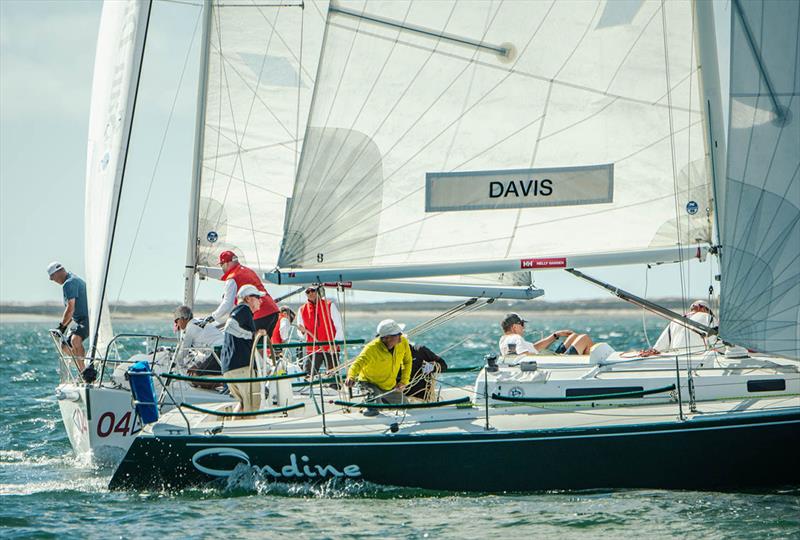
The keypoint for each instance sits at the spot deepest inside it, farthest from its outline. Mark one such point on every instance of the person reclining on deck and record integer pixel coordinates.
(512, 341)
(196, 335)
(678, 336)
(378, 364)
(240, 331)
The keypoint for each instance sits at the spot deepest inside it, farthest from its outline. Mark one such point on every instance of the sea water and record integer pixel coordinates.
(46, 492)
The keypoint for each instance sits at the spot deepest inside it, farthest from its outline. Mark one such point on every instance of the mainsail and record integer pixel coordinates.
(759, 214)
(262, 59)
(472, 131)
(123, 26)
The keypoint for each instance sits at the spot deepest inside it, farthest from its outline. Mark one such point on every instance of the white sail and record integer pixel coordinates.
(262, 60)
(473, 131)
(759, 214)
(123, 26)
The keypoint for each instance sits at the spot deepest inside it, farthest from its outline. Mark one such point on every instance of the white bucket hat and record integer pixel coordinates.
(388, 327)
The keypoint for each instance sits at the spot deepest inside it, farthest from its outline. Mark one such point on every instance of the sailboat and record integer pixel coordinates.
(495, 138)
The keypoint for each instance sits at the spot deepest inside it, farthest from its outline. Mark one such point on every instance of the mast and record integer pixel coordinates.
(197, 165)
(706, 40)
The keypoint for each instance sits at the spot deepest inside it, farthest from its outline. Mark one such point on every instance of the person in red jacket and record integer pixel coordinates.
(319, 320)
(283, 329)
(235, 275)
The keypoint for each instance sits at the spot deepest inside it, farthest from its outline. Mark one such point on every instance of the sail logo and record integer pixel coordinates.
(529, 188)
(518, 188)
(207, 461)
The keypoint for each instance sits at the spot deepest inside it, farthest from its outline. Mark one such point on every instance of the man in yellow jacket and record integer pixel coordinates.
(377, 366)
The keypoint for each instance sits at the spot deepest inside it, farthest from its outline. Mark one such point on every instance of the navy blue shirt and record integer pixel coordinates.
(235, 348)
(75, 287)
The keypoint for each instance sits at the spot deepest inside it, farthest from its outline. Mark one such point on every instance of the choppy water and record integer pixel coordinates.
(45, 492)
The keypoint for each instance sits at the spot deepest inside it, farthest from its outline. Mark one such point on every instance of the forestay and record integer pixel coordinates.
(559, 127)
(261, 65)
(759, 214)
(123, 26)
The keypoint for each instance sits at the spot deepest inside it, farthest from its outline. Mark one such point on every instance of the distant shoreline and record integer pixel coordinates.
(43, 312)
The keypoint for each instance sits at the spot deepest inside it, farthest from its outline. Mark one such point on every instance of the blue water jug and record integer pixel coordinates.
(144, 394)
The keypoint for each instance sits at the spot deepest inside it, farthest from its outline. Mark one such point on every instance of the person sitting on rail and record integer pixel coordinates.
(240, 331)
(423, 362)
(678, 336)
(513, 342)
(377, 366)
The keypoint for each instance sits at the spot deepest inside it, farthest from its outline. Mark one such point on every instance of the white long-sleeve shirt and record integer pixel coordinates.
(336, 318)
(676, 335)
(195, 337)
(228, 301)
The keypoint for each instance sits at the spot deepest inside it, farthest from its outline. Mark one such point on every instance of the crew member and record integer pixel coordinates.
(423, 362)
(679, 336)
(76, 311)
(377, 366)
(240, 331)
(235, 276)
(513, 342)
(196, 335)
(283, 330)
(319, 320)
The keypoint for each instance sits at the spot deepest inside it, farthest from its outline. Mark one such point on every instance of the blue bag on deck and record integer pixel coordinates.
(144, 393)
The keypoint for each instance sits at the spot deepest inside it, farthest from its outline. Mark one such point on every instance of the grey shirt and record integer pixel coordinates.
(75, 287)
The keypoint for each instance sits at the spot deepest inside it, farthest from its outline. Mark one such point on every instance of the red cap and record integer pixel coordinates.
(227, 256)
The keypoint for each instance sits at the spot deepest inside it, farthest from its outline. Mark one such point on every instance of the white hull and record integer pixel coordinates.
(101, 422)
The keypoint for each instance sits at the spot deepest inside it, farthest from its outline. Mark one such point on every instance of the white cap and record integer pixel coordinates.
(388, 327)
(701, 303)
(54, 267)
(248, 290)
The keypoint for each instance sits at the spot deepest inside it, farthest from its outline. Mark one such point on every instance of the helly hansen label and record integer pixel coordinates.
(518, 188)
(548, 262)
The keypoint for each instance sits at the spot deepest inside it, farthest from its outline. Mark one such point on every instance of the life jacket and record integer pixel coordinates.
(244, 276)
(317, 319)
(276, 332)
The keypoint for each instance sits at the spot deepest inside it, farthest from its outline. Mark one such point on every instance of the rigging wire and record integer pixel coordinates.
(676, 191)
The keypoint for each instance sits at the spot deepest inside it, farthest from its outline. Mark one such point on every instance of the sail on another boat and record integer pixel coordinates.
(759, 197)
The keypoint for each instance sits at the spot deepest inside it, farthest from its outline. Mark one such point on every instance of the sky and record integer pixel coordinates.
(46, 60)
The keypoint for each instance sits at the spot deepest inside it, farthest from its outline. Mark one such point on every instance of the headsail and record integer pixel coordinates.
(450, 131)
(123, 26)
(760, 212)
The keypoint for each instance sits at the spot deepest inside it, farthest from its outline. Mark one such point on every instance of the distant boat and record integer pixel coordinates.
(447, 140)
